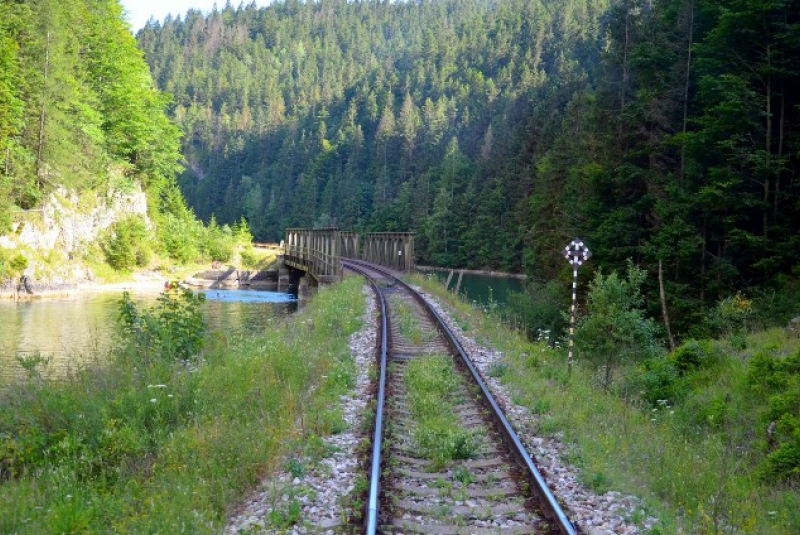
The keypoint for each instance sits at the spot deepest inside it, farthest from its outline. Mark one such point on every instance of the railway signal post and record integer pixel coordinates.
(576, 254)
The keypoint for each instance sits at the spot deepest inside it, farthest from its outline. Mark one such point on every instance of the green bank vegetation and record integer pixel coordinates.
(708, 435)
(178, 423)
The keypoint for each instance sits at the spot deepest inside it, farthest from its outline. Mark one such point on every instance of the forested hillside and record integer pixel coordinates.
(664, 131)
(82, 123)
(78, 107)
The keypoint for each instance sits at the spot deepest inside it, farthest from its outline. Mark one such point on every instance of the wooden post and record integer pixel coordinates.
(449, 278)
(458, 284)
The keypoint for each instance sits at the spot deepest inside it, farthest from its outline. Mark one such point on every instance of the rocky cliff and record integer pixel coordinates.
(59, 238)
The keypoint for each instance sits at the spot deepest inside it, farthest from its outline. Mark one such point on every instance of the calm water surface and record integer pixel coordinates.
(483, 289)
(74, 331)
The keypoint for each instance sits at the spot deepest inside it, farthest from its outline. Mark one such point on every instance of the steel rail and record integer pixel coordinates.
(371, 521)
(547, 500)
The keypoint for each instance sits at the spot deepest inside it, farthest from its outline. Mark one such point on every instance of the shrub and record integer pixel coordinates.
(179, 237)
(541, 308)
(729, 317)
(173, 329)
(779, 380)
(219, 242)
(658, 380)
(12, 266)
(616, 331)
(695, 355)
(125, 246)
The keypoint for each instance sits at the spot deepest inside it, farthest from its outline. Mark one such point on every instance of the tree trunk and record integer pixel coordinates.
(703, 263)
(780, 152)
(663, 296)
(624, 76)
(42, 112)
(686, 88)
(768, 151)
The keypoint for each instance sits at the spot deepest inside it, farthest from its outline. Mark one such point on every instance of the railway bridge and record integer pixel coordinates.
(313, 256)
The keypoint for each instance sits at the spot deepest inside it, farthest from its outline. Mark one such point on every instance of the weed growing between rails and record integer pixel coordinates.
(155, 445)
(433, 386)
(695, 461)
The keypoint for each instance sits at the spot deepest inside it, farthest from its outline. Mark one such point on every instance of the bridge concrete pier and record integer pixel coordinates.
(288, 277)
(307, 287)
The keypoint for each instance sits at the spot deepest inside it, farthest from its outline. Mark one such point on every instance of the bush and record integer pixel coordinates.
(658, 380)
(179, 237)
(173, 329)
(616, 331)
(779, 380)
(541, 308)
(729, 317)
(220, 242)
(695, 355)
(126, 245)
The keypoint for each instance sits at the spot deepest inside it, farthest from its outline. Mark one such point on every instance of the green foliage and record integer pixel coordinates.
(730, 315)
(778, 379)
(127, 246)
(616, 331)
(219, 242)
(138, 445)
(695, 355)
(657, 380)
(432, 392)
(670, 379)
(541, 308)
(180, 237)
(173, 330)
(76, 100)
(12, 265)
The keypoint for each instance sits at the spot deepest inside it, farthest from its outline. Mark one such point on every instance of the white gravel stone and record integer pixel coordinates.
(594, 514)
(326, 485)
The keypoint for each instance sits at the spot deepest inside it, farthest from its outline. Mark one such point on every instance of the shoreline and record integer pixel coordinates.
(487, 273)
(39, 291)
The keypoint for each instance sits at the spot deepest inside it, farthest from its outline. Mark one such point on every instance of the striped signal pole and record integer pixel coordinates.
(576, 254)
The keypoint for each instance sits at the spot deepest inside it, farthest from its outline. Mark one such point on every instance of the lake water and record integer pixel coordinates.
(74, 331)
(483, 289)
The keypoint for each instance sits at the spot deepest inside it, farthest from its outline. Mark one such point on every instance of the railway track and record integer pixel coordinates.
(444, 461)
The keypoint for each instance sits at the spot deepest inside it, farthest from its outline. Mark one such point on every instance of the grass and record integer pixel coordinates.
(408, 323)
(692, 464)
(257, 259)
(167, 447)
(433, 386)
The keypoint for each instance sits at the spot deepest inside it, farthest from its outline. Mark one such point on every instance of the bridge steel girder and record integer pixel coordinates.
(315, 251)
(394, 250)
(349, 244)
(318, 252)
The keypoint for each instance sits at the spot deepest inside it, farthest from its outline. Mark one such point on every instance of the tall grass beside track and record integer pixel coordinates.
(158, 446)
(694, 464)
